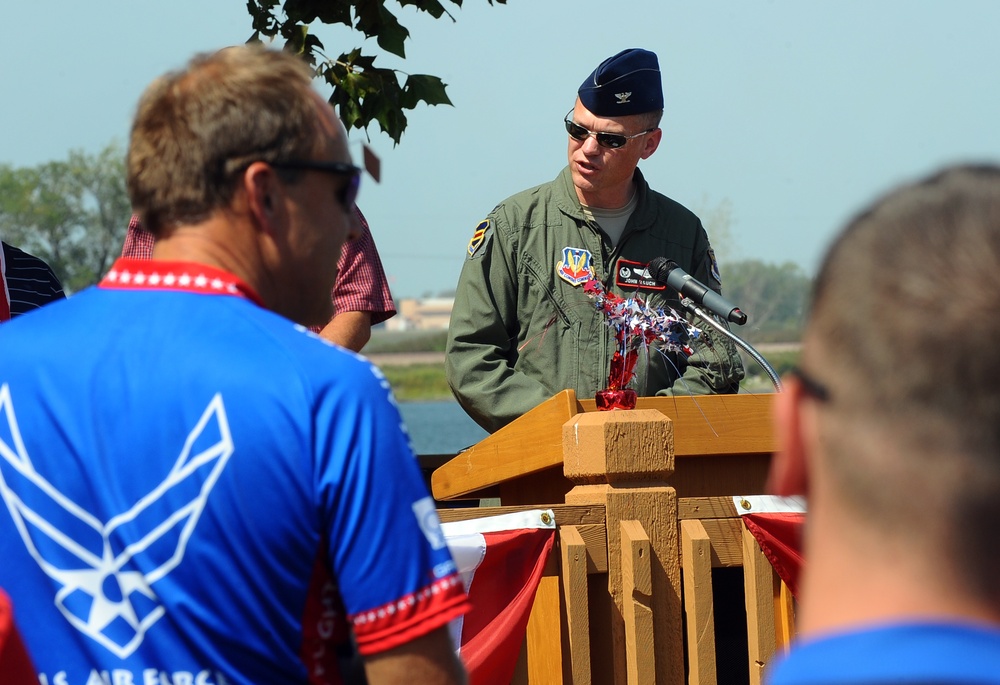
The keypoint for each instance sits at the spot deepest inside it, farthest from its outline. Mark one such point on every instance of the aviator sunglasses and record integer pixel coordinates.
(609, 140)
(347, 195)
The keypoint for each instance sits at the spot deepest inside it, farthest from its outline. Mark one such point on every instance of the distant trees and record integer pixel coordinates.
(72, 213)
(773, 296)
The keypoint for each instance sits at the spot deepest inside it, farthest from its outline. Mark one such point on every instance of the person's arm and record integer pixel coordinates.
(482, 340)
(429, 660)
(397, 580)
(361, 296)
(349, 329)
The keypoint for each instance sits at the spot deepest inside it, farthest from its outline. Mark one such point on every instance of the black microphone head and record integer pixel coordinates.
(660, 267)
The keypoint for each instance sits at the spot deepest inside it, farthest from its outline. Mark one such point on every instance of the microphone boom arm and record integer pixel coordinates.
(689, 304)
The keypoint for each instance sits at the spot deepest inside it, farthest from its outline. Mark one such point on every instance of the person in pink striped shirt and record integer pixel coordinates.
(361, 296)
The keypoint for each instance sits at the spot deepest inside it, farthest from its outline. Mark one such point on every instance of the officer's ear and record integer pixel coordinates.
(651, 142)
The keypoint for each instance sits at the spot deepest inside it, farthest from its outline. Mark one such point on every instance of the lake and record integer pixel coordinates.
(440, 427)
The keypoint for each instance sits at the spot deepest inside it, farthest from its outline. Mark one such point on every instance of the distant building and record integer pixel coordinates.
(430, 314)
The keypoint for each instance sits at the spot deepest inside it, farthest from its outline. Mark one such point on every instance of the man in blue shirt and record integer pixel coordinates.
(892, 430)
(197, 489)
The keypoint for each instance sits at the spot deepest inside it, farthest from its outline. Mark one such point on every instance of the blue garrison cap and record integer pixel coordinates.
(628, 83)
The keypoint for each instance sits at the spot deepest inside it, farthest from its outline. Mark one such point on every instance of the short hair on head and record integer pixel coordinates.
(904, 304)
(195, 128)
(904, 331)
(650, 120)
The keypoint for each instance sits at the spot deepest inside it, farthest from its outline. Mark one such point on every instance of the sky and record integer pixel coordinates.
(786, 116)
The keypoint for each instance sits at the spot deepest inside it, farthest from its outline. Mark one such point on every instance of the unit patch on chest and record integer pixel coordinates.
(575, 266)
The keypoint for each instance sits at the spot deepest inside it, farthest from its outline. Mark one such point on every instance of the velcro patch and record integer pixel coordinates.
(714, 268)
(575, 266)
(629, 274)
(479, 236)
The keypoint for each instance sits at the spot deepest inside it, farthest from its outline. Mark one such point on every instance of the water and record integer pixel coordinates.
(440, 427)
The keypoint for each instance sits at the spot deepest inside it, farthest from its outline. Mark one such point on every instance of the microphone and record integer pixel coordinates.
(666, 271)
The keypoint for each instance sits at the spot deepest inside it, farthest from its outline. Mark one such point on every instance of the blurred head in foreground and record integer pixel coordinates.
(891, 426)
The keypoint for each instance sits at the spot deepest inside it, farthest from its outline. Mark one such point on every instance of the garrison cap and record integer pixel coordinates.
(628, 83)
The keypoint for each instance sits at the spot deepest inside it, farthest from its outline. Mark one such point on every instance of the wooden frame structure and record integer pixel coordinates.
(642, 498)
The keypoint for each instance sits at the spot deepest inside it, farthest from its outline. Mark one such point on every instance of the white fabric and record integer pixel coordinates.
(769, 504)
(531, 518)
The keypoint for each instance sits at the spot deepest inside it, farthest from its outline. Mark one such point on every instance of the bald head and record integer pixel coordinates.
(904, 313)
(903, 333)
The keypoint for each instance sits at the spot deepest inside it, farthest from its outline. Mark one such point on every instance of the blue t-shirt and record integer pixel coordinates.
(911, 653)
(198, 489)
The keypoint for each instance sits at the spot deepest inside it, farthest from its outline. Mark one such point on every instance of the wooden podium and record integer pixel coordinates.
(722, 444)
(628, 489)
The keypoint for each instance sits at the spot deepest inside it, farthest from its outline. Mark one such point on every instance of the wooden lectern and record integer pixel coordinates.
(722, 443)
(618, 608)
(647, 475)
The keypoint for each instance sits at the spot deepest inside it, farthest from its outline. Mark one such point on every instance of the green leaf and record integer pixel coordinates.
(334, 12)
(264, 20)
(375, 20)
(432, 7)
(392, 37)
(426, 88)
(361, 92)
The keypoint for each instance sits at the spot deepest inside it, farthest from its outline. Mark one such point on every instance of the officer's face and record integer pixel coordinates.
(603, 175)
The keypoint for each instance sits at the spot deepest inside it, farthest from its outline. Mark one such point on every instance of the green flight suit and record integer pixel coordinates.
(522, 328)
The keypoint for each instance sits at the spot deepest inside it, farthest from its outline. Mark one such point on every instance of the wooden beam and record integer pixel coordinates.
(566, 514)
(576, 623)
(706, 508)
(699, 606)
(637, 591)
(717, 426)
(714, 424)
(758, 581)
(784, 616)
(506, 454)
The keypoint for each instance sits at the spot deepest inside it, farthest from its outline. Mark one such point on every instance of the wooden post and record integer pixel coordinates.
(576, 668)
(784, 616)
(699, 603)
(637, 591)
(621, 459)
(758, 582)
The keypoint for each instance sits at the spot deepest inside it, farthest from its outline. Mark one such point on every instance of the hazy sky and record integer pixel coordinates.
(792, 113)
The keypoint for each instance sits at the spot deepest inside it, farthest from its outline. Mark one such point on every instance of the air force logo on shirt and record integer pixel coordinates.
(427, 518)
(101, 592)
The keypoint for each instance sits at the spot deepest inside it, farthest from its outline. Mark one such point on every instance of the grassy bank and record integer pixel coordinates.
(416, 382)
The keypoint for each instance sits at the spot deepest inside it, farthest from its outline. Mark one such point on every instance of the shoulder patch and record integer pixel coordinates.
(479, 236)
(714, 266)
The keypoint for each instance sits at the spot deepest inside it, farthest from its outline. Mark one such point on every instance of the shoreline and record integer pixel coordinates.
(383, 359)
